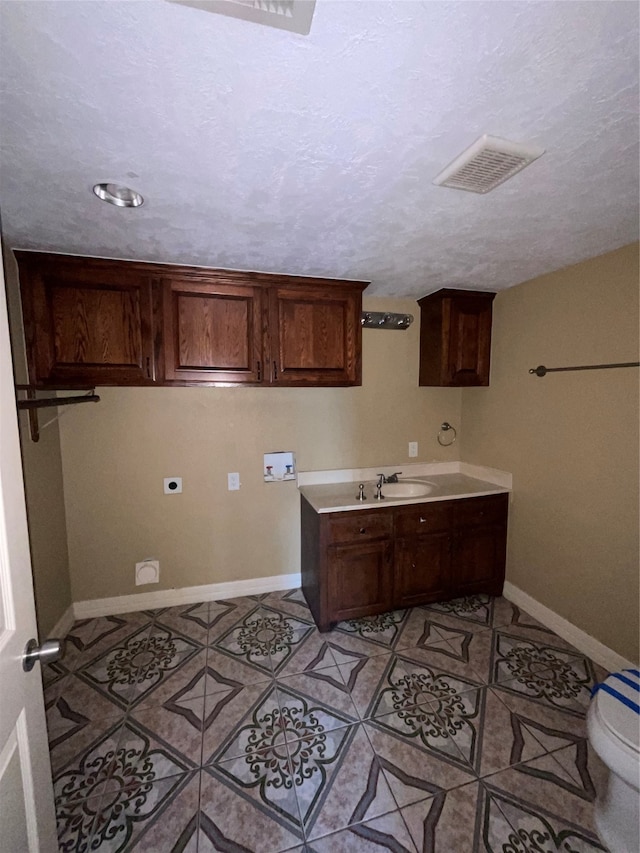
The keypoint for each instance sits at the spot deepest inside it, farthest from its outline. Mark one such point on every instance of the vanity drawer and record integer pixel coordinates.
(423, 518)
(359, 526)
(477, 511)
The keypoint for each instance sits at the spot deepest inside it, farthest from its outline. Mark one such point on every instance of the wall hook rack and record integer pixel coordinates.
(385, 320)
(32, 404)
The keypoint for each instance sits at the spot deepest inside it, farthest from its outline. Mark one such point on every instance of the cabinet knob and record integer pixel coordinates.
(363, 530)
(422, 520)
(413, 565)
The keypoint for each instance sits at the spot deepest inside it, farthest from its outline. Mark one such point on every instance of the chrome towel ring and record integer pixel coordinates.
(444, 428)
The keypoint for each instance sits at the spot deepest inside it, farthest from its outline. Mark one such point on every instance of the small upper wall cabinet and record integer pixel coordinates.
(87, 321)
(91, 321)
(455, 338)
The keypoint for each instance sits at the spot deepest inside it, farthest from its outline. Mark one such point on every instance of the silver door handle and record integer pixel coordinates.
(48, 652)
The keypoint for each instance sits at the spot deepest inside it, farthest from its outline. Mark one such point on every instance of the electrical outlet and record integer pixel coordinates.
(413, 448)
(173, 485)
(233, 482)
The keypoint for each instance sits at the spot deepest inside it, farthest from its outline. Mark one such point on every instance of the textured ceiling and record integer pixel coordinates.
(261, 149)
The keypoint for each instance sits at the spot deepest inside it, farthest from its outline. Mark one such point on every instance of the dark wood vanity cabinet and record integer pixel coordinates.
(359, 563)
(92, 321)
(455, 338)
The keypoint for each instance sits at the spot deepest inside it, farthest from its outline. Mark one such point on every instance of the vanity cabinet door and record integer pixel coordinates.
(478, 560)
(359, 579)
(422, 570)
(315, 335)
(480, 545)
(212, 331)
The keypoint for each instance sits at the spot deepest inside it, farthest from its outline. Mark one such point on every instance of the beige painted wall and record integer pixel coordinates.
(570, 440)
(116, 454)
(42, 467)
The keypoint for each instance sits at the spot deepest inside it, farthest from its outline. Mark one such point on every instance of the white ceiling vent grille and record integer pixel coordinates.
(487, 163)
(292, 15)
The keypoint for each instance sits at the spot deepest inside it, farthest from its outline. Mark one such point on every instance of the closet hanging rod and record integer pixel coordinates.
(541, 370)
(49, 387)
(32, 404)
(57, 401)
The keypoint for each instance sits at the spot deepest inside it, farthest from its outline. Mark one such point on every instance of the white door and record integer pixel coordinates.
(27, 819)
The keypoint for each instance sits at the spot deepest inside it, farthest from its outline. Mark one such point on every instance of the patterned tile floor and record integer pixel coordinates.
(236, 726)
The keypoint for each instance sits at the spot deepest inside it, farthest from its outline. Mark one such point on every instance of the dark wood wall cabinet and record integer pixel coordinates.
(93, 321)
(363, 562)
(455, 338)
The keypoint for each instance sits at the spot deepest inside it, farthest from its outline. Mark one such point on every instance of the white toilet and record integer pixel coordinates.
(613, 724)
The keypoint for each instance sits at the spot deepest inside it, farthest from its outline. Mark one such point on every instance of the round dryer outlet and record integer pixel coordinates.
(148, 571)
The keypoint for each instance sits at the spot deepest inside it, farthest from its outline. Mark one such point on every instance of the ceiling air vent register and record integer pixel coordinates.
(487, 163)
(292, 15)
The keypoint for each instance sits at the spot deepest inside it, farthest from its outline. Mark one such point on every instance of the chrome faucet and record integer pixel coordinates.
(392, 478)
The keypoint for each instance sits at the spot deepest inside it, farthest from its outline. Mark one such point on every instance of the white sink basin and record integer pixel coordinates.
(407, 489)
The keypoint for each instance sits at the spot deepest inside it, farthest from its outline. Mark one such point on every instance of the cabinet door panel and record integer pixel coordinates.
(212, 332)
(315, 337)
(359, 579)
(421, 570)
(86, 322)
(478, 561)
(469, 342)
(94, 326)
(455, 337)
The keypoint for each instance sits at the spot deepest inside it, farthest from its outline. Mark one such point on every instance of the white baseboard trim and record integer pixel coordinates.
(182, 595)
(63, 625)
(587, 644)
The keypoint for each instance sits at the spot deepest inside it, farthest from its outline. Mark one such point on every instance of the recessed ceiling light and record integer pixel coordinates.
(119, 195)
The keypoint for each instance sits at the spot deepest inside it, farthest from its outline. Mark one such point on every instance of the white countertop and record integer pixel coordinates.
(341, 496)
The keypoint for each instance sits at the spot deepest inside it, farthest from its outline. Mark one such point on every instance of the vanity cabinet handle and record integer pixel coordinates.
(148, 368)
(259, 368)
(422, 520)
(363, 530)
(275, 371)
